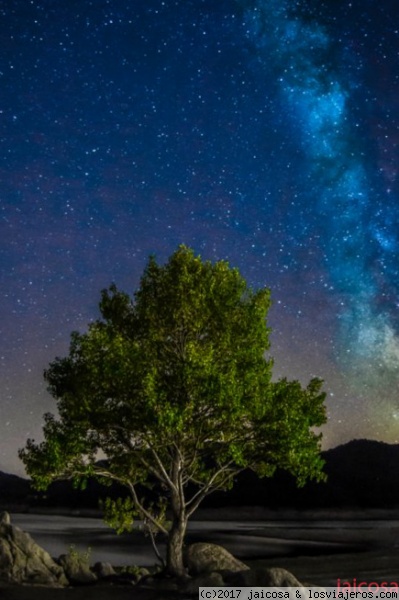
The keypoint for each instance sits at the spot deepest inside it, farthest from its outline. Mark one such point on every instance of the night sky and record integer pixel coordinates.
(264, 132)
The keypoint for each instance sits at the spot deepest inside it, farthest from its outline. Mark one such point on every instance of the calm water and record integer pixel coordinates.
(57, 534)
(244, 539)
(286, 544)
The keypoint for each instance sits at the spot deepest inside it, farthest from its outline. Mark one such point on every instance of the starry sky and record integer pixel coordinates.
(264, 132)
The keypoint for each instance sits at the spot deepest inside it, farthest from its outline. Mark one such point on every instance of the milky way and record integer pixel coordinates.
(263, 132)
(318, 76)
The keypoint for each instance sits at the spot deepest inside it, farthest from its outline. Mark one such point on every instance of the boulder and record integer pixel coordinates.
(103, 569)
(5, 518)
(259, 577)
(206, 558)
(23, 561)
(144, 572)
(77, 569)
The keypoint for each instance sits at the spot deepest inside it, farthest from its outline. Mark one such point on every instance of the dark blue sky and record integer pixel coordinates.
(264, 132)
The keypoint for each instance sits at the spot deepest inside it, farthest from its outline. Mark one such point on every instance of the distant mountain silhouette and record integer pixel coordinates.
(365, 472)
(361, 473)
(13, 489)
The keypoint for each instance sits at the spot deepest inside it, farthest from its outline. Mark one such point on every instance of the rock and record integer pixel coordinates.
(5, 518)
(23, 561)
(205, 558)
(77, 569)
(103, 569)
(274, 577)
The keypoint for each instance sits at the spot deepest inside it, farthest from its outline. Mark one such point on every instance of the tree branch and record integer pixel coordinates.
(197, 498)
(164, 477)
(105, 473)
(180, 471)
(144, 511)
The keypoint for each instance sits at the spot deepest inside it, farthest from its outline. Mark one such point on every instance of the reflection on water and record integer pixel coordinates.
(246, 540)
(57, 534)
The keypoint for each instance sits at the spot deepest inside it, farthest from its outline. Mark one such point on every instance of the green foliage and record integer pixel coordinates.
(132, 570)
(174, 387)
(119, 514)
(78, 557)
(158, 511)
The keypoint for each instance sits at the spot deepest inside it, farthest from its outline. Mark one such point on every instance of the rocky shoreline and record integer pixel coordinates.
(24, 563)
(28, 572)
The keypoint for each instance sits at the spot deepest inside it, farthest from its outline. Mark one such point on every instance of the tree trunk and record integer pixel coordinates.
(174, 552)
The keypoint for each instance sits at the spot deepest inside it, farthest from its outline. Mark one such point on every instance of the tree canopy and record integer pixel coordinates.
(174, 386)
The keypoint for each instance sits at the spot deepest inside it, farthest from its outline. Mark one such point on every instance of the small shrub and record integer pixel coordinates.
(78, 556)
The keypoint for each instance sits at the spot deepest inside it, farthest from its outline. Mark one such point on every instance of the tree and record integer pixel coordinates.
(174, 387)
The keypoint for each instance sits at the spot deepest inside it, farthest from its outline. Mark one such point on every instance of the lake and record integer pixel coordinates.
(247, 540)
